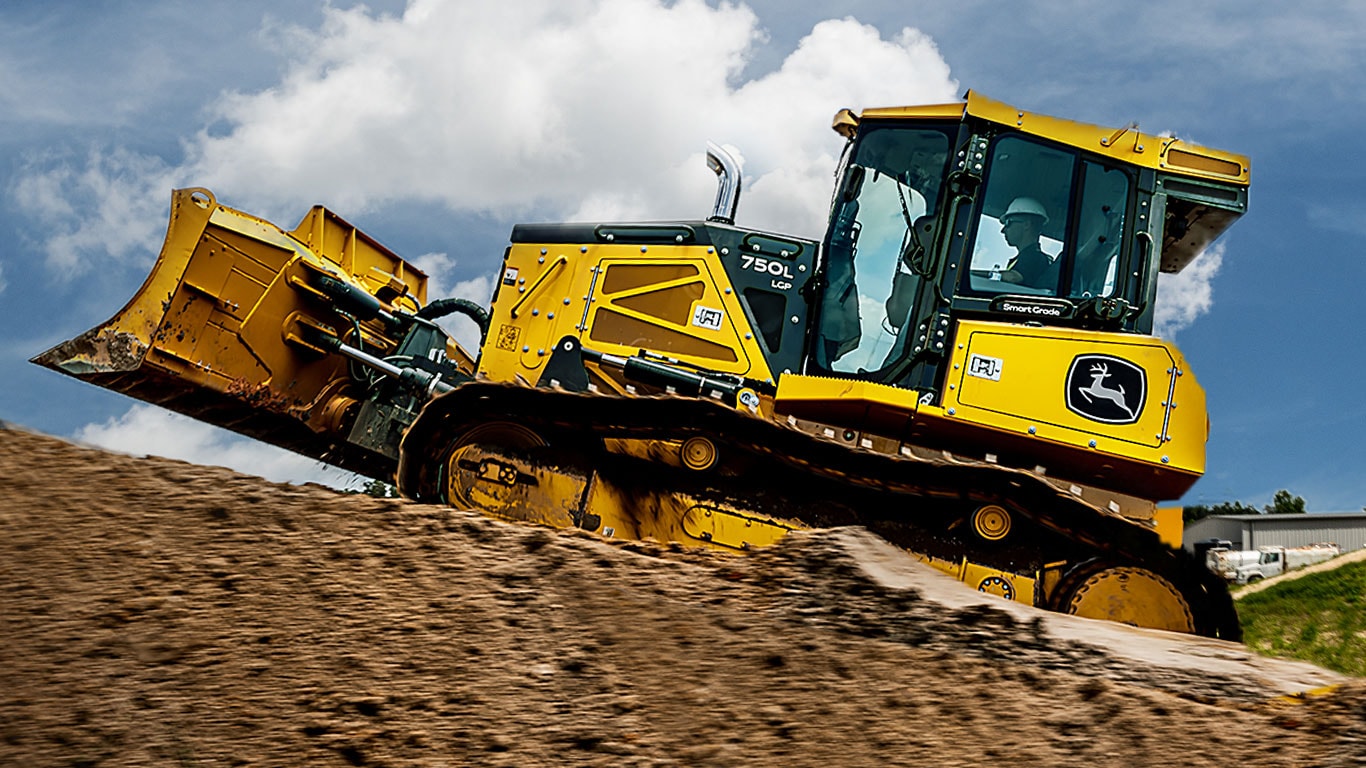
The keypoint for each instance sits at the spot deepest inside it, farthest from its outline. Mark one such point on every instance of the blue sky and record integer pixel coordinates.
(436, 126)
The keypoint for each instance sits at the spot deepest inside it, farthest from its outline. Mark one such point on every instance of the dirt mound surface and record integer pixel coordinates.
(160, 613)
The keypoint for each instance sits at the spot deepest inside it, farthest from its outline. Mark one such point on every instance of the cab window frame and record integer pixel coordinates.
(1079, 194)
(842, 365)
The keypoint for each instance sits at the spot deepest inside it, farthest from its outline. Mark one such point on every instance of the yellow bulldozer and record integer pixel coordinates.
(964, 363)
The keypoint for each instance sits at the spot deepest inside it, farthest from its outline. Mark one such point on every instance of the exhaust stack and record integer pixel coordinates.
(727, 184)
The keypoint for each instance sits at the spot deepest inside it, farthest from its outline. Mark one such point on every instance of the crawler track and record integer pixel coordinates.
(917, 500)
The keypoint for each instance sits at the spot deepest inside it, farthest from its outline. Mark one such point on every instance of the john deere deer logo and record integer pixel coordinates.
(1106, 389)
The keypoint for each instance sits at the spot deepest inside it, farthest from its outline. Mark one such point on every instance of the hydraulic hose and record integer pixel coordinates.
(443, 307)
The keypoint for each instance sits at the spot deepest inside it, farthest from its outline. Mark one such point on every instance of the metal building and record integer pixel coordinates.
(1347, 530)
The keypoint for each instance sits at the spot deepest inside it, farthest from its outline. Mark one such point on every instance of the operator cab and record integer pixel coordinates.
(981, 211)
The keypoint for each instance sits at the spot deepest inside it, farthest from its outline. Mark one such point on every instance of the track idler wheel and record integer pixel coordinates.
(501, 468)
(1125, 594)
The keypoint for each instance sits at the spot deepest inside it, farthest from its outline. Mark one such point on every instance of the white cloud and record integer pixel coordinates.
(568, 108)
(1188, 294)
(3, 284)
(147, 430)
(110, 206)
(479, 290)
(1337, 216)
(439, 267)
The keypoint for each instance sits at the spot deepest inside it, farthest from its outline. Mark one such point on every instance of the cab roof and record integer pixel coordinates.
(1127, 144)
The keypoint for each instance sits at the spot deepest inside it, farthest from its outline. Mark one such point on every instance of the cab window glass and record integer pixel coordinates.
(873, 265)
(1100, 224)
(1019, 241)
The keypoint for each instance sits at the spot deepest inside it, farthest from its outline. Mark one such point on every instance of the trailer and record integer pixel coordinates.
(1273, 561)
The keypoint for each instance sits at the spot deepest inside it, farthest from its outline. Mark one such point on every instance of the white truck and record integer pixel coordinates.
(1226, 561)
(1273, 561)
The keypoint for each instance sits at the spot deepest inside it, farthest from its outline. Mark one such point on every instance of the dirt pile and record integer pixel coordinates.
(160, 613)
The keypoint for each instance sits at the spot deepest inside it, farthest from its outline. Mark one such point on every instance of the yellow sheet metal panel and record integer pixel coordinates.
(1170, 525)
(796, 388)
(382, 272)
(540, 300)
(672, 300)
(732, 529)
(951, 111)
(857, 405)
(1117, 394)
(992, 581)
(1127, 145)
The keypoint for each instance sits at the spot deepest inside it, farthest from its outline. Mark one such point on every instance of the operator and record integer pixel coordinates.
(1022, 225)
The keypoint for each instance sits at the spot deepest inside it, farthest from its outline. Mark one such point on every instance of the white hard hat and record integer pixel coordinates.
(1026, 206)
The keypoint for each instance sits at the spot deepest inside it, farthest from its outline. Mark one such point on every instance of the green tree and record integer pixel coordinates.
(377, 488)
(1199, 511)
(1285, 503)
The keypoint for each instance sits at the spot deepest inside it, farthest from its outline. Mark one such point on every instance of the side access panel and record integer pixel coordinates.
(1120, 411)
(672, 300)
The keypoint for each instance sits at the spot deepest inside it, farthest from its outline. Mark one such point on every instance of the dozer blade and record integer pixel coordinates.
(213, 333)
